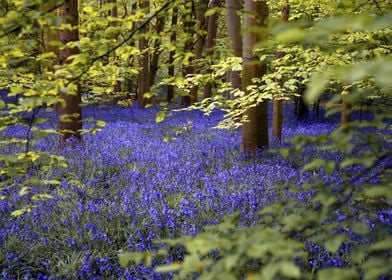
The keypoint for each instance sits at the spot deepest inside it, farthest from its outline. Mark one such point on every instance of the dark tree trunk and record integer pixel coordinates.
(277, 114)
(346, 111)
(255, 131)
(301, 108)
(234, 32)
(210, 42)
(173, 37)
(70, 113)
(144, 81)
(156, 52)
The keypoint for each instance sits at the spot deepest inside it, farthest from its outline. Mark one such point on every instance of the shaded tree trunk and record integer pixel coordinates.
(345, 117)
(197, 47)
(210, 42)
(70, 112)
(173, 37)
(255, 131)
(234, 32)
(117, 86)
(277, 109)
(144, 75)
(156, 52)
(131, 86)
(301, 108)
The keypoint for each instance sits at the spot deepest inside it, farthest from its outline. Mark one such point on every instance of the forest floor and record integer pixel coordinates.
(134, 182)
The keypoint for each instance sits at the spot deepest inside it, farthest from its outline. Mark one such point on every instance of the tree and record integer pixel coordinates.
(255, 130)
(194, 23)
(173, 37)
(156, 51)
(114, 14)
(70, 113)
(210, 42)
(277, 103)
(144, 64)
(235, 39)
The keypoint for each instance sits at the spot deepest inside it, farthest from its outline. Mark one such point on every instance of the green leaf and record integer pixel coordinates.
(284, 152)
(316, 86)
(168, 268)
(290, 36)
(101, 123)
(337, 274)
(161, 115)
(378, 191)
(24, 191)
(333, 244)
(125, 258)
(210, 12)
(290, 270)
(88, 10)
(2, 104)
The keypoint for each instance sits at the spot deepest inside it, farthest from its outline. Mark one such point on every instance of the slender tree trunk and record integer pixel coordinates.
(301, 108)
(255, 131)
(197, 47)
(188, 69)
(210, 42)
(117, 86)
(144, 81)
(173, 37)
(131, 86)
(234, 32)
(277, 103)
(156, 52)
(70, 112)
(346, 109)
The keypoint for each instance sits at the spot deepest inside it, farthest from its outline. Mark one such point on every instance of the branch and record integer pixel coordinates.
(20, 25)
(130, 36)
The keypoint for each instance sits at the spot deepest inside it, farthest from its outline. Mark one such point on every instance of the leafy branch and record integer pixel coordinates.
(127, 39)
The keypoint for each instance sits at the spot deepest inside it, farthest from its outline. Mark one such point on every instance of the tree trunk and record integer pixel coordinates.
(277, 103)
(301, 108)
(70, 113)
(156, 52)
(210, 42)
(131, 85)
(346, 109)
(117, 86)
(197, 47)
(144, 81)
(255, 131)
(173, 38)
(234, 32)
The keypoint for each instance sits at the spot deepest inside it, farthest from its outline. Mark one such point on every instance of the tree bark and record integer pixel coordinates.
(234, 32)
(173, 37)
(255, 131)
(301, 108)
(210, 42)
(117, 86)
(345, 115)
(156, 52)
(197, 47)
(144, 81)
(277, 108)
(70, 113)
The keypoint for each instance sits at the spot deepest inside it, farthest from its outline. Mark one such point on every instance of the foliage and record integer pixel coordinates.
(335, 217)
(145, 188)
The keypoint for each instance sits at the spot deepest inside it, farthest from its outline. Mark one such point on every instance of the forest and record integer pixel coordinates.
(196, 139)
